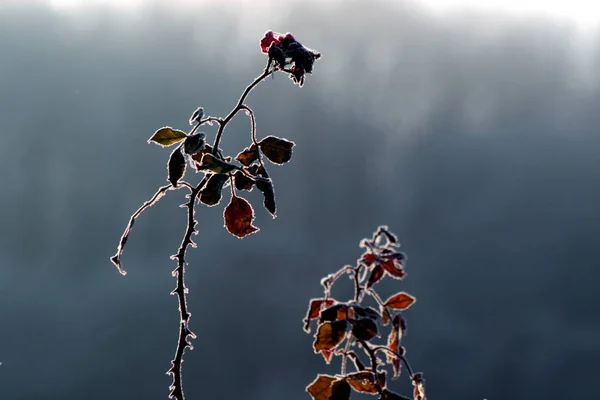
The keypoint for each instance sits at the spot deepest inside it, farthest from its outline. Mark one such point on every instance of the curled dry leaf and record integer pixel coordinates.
(176, 166)
(375, 276)
(277, 150)
(314, 309)
(363, 382)
(238, 216)
(167, 136)
(268, 191)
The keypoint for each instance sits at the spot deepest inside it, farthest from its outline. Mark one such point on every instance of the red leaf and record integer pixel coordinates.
(320, 388)
(327, 355)
(400, 301)
(385, 315)
(238, 216)
(376, 275)
(391, 269)
(364, 329)
(369, 258)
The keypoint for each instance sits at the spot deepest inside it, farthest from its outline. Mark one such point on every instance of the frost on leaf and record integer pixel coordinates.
(248, 156)
(268, 191)
(211, 193)
(277, 150)
(167, 136)
(238, 216)
(329, 335)
(176, 166)
(320, 388)
(400, 301)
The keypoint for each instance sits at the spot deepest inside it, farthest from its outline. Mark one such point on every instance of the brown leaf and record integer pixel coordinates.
(363, 382)
(210, 162)
(176, 166)
(211, 193)
(369, 258)
(248, 155)
(392, 269)
(400, 301)
(376, 275)
(393, 343)
(320, 388)
(198, 156)
(327, 355)
(385, 315)
(329, 335)
(238, 216)
(367, 312)
(277, 150)
(314, 309)
(334, 313)
(242, 182)
(364, 329)
(340, 390)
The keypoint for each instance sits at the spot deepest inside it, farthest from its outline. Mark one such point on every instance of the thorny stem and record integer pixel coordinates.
(180, 290)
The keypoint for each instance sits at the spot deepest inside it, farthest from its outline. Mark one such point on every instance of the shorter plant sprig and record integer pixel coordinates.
(344, 326)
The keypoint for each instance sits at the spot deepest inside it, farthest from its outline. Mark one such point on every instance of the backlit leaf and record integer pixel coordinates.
(385, 315)
(238, 216)
(277, 150)
(392, 269)
(314, 309)
(248, 155)
(369, 258)
(363, 382)
(340, 390)
(376, 275)
(210, 162)
(176, 166)
(334, 313)
(327, 355)
(400, 301)
(367, 312)
(329, 335)
(211, 193)
(320, 388)
(268, 191)
(194, 143)
(167, 136)
(197, 116)
(393, 343)
(242, 182)
(364, 329)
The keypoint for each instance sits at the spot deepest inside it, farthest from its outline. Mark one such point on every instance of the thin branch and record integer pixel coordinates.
(253, 131)
(180, 290)
(238, 106)
(116, 259)
(404, 360)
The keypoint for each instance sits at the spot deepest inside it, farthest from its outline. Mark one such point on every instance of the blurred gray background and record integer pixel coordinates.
(473, 135)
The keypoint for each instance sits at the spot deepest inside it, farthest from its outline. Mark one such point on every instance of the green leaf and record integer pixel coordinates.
(212, 163)
(176, 166)
(211, 193)
(167, 136)
(277, 150)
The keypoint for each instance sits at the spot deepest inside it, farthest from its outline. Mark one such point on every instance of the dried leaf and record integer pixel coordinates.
(242, 181)
(176, 166)
(268, 191)
(392, 269)
(327, 355)
(206, 150)
(385, 315)
(197, 116)
(167, 136)
(363, 382)
(248, 155)
(329, 335)
(238, 216)
(210, 162)
(194, 143)
(320, 388)
(369, 258)
(277, 150)
(334, 313)
(364, 329)
(376, 275)
(340, 390)
(393, 343)
(211, 193)
(400, 301)
(314, 309)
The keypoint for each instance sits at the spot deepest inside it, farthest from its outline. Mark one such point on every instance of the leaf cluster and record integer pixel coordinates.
(344, 326)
